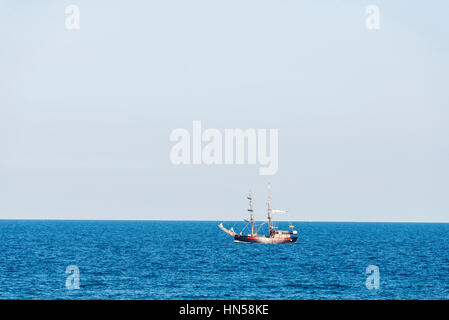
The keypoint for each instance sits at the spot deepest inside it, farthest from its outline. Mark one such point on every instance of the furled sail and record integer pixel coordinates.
(278, 211)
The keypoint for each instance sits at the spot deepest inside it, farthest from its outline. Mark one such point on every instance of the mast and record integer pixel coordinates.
(269, 210)
(251, 214)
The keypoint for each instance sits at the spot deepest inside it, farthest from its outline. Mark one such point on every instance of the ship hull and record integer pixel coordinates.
(262, 239)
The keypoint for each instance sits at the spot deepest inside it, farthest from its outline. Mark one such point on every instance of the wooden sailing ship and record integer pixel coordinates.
(274, 236)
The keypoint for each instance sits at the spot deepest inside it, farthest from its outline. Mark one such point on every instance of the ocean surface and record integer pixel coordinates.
(196, 260)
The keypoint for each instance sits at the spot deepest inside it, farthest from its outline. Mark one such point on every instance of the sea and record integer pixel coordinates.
(42, 259)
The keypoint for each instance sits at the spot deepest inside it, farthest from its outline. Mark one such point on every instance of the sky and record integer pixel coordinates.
(362, 115)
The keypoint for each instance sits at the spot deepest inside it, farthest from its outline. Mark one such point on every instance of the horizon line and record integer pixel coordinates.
(209, 220)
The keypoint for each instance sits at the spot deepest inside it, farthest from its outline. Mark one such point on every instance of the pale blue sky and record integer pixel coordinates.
(363, 118)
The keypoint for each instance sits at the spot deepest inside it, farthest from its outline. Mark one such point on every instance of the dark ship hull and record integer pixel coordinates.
(263, 239)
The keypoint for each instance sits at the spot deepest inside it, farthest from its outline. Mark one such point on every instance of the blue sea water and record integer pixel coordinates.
(196, 260)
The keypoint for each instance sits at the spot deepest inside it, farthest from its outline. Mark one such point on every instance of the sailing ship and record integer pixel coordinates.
(274, 236)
